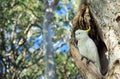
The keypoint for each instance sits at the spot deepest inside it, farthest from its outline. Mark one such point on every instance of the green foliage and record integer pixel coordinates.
(18, 57)
(65, 66)
(17, 19)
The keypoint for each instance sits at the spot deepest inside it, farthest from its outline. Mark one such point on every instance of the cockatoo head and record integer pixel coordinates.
(81, 34)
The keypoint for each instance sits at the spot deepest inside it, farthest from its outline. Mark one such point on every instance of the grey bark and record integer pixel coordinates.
(106, 14)
(50, 72)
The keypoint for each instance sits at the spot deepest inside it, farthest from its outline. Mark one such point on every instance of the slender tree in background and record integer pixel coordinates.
(50, 72)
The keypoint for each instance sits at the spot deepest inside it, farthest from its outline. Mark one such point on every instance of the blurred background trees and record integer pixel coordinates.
(21, 38)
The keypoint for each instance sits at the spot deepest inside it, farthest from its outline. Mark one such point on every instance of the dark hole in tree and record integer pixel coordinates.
(102, 49)
(118, 19)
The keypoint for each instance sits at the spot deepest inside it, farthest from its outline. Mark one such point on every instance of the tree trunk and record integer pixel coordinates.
(106, 14)
(50, 72)
(103, 16)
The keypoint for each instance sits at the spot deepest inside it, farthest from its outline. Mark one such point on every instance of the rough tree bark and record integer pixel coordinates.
(103, 16)
(106, 14)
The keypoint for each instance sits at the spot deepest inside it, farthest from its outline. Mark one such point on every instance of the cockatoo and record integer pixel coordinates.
(87, 47)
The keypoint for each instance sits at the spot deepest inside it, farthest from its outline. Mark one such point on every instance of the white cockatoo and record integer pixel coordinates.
(87, 47)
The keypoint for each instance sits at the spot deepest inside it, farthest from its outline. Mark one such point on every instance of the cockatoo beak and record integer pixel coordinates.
(88, 29)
